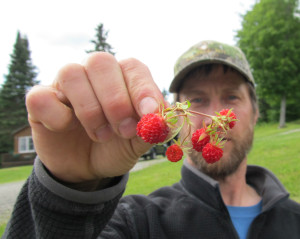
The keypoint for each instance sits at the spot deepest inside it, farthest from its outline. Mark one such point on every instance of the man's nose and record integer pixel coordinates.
(211, 110)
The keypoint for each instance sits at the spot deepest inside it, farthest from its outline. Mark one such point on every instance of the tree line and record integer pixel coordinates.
(269, 37)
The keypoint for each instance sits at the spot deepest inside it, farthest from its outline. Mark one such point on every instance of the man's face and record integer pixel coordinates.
(212, 93)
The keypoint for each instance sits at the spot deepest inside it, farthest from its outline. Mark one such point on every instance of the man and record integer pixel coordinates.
(84, 133)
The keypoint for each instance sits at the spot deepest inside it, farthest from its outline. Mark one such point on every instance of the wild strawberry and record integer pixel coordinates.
(174, 153)
(231, 115)
(152, 128)
(199, 139)
(212, 153)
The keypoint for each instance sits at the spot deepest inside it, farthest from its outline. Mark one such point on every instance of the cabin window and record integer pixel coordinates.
(26, 144)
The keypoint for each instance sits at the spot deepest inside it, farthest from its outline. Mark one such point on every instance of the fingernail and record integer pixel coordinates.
(104, 133)
(127, 128)
(148, 105)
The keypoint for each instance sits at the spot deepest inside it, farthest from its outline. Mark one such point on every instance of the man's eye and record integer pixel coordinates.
(196, 100)
(232, 97)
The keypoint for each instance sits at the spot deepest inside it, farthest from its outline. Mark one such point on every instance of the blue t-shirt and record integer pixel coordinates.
(242, 217)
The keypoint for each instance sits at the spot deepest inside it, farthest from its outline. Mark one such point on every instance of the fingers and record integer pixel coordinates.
(125, 91)
(106, 79)
(107, 97)
(45, 108)
(144, 93)
(72, 81)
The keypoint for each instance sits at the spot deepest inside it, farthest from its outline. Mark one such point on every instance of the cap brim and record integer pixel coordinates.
(178, 79)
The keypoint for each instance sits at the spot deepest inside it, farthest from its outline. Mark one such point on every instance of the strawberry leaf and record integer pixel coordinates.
(188, 103)
(173, 120)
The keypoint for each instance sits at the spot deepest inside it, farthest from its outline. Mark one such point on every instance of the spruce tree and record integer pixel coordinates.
(100, 43)
(20, 78)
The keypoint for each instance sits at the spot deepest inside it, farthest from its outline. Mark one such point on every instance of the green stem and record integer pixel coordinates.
(174, 116)
(187, 135)
(198, 113)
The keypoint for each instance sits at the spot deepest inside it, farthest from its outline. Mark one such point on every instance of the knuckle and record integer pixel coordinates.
(33, 96)
(89, 113)
(119, 110)
(30, 96)
(136, 74)
(99, 61)
(68, 74)
(139, 80)
(134, 67)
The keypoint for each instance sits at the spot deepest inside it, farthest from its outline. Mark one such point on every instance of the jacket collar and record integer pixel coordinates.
(207, 189)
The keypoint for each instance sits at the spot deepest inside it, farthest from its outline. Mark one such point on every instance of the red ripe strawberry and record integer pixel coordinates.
(174, 153)
(212, 153)
(152, 128)
(231, 115)
(199, 139)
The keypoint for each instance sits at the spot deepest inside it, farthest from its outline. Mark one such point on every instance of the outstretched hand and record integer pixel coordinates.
(84, 125)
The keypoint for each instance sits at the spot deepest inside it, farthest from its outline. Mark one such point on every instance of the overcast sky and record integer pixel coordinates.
(156, 32)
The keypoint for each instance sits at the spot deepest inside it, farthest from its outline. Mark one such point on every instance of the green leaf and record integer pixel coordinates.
(173, 121)
(188, 103)
(170, 114)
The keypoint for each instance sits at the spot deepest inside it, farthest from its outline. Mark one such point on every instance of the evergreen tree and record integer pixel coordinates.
(100, 41)
(270, 39)
(20, 78)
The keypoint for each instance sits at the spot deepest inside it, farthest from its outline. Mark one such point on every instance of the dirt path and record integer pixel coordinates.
(146, 163)
(8, 192)
(290, 131)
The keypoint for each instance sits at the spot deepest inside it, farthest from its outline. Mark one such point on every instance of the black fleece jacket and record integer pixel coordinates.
(191, 208)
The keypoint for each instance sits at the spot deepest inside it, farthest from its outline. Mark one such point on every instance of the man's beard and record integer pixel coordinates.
(225, 167)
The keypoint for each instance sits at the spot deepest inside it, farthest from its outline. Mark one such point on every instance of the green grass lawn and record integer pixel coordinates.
(275, 149)
(147, 180)
(14, 174)
(279, 151)
(2, 229)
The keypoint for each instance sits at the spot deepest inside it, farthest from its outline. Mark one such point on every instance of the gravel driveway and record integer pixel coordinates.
(10, 191)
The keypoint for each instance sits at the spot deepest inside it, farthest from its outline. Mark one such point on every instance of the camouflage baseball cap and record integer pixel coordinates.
(207, 52)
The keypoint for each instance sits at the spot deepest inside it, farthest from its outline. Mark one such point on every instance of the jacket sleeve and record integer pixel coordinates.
(48, 209)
